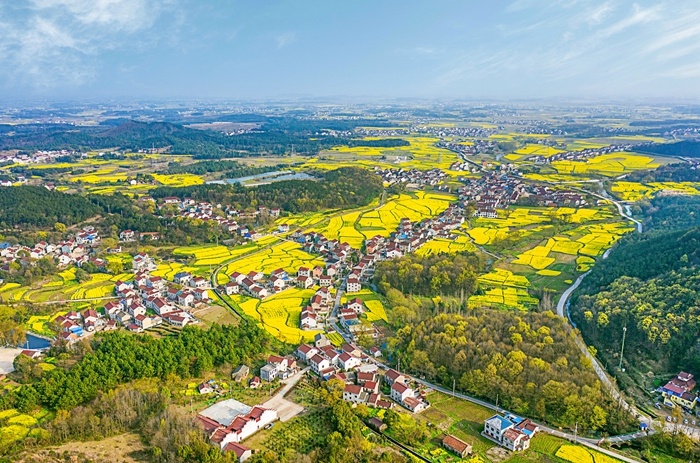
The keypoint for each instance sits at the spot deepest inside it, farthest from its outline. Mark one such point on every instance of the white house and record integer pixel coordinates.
(348, 362)
(319, 363)
(399, 392)
(354, 285)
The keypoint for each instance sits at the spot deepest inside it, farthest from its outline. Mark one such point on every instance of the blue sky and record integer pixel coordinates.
(254, 49)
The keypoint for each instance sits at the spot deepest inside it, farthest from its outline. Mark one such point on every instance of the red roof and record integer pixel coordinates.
(238, 449)
(457, 444)
(352, 389)
(399, 387)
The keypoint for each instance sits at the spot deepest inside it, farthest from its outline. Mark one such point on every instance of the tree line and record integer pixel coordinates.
(231, 169)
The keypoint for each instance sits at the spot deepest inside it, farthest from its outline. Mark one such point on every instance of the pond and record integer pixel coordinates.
(267, 177)
(35, 342)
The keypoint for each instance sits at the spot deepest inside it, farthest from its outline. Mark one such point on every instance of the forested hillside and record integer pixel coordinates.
(33, 206)
(651, 285)
(529, 362)
(121, 357)
(666, 213)
(686, 148)
(680, 172)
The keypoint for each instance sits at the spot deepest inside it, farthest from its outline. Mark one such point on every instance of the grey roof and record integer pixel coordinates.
(225, 411)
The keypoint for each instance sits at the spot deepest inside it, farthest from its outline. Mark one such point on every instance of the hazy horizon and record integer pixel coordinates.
(504, 51)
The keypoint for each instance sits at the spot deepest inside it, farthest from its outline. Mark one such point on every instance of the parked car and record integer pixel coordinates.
(668, 418)
(269, 425)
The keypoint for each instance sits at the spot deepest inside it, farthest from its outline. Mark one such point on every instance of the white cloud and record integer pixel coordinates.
(46, 43)
(285, 39)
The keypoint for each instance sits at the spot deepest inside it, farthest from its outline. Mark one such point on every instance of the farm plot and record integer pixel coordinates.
(373, 303)
(178, 180)
(608, 165)
(633, 191)
(504, 297)
(597, 238)
(533, 149)
(420, 154)
(441, 245)
(280, 314)
(579, 454)
(106, 175)
(286, 255)
(355, 227)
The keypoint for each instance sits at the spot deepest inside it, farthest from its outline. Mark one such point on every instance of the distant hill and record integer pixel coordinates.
(686, 149)
(275, 137)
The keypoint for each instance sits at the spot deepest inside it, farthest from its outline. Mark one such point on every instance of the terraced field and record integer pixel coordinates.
(62, 287)
(608, 165)
(286, 255)
(355, 227)
(206, 255)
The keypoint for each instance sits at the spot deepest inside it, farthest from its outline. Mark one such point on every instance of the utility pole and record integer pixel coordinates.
(575, 432)
(453, 388)
(622, 350)
(496, 402)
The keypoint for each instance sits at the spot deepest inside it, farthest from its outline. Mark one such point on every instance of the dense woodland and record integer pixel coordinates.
(686, 149)
(529, 362)
(650, 284)
(666, 213)
(346, 187)
(668, 173)
(442, 274)
(118, 358)
(34, 206)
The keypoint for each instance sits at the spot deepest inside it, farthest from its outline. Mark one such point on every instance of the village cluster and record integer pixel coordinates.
(412, 178)
(148, 300)
(76, 250)
(497, 190)
(38, 157)
(227, 217)
(475, 146)
(343, 265)
(145, 302)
